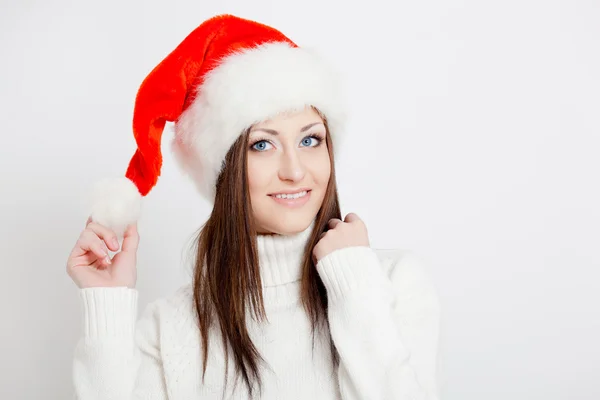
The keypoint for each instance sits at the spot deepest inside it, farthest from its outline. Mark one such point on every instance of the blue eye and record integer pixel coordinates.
(307, 141)
(261, 145)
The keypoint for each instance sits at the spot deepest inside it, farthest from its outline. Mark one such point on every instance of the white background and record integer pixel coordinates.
(473, 140)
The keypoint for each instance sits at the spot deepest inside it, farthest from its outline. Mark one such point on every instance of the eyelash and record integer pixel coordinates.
(314, 136)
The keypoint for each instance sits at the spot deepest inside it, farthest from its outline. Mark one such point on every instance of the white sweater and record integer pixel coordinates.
(384, 318)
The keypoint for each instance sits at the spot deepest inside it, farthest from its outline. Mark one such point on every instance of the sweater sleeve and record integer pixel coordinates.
(384, 326)
(116, 357)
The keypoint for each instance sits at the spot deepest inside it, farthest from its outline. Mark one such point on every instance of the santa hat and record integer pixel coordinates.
(225, 76)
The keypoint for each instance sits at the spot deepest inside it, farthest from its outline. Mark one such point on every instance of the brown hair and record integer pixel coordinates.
(226, 272)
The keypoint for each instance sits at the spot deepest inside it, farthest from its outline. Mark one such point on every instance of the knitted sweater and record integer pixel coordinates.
(384, 318)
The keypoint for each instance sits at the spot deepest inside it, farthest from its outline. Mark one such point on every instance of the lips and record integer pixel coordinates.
(292, 201)
(291, 191)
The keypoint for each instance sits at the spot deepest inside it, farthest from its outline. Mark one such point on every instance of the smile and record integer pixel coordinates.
(292, 199)
(291, 196)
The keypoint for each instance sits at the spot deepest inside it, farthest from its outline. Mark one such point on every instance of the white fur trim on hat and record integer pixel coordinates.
(115, 203)
(248, 87)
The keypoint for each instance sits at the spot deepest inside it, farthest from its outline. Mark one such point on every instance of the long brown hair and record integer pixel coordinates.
(227, 280)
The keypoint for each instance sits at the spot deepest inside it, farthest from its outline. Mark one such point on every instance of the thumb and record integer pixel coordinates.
(131, 238)
(351, 217)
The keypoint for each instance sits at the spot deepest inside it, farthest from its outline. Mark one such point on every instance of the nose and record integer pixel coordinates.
(291, 167)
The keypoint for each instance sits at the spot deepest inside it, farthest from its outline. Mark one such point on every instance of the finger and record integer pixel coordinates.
(131, 238)
(99, 265)
(107, 235)
(351, 217)
(333, 223)
(95, 245)
(322, 235)
(89, 220)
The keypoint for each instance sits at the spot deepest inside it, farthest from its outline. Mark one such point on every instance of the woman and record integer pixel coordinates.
(285, 291)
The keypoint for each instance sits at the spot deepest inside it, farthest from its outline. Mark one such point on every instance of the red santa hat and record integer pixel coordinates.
(225, 76)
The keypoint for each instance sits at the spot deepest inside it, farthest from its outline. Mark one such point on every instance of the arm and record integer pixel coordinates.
(385, 328)
(116, 358)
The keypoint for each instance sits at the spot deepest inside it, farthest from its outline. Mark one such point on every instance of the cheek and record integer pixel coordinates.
(259, 174)
(321, 168)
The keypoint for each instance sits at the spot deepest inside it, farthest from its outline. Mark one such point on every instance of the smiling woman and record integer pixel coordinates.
(289, 171)
(284, 290)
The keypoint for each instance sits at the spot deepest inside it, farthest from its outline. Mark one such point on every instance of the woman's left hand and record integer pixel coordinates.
(350, 232)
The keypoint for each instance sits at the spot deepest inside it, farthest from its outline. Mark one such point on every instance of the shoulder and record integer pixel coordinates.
(163, 319)
(182, 298)
(411, 278)
(178, 302)
(403, 264)
(170, 310)
(171, 318)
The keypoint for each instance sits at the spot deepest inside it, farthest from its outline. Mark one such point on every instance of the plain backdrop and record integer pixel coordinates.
(473, 140)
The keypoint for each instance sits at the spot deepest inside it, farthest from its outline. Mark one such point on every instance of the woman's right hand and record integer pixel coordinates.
(90, 265)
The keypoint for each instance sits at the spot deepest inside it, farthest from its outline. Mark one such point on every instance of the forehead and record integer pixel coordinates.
(291, 120)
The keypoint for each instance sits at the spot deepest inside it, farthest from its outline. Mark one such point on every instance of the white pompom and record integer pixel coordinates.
(115, 203)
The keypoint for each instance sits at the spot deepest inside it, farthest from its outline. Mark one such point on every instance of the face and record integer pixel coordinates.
(288, 171)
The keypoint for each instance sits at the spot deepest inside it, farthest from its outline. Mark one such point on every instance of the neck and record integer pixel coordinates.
(281, 256)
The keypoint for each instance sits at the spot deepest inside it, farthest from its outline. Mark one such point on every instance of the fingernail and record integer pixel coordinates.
(107, 259)
(115, 242)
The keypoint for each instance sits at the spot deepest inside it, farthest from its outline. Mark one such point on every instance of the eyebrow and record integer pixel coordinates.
(275, 133)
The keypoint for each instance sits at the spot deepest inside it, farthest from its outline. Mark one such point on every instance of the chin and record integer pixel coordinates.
(285, 223)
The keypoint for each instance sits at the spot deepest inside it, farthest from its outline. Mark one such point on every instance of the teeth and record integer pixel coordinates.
(291, 196)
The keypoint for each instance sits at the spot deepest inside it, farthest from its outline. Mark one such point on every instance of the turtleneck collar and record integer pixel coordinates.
(280, 256)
